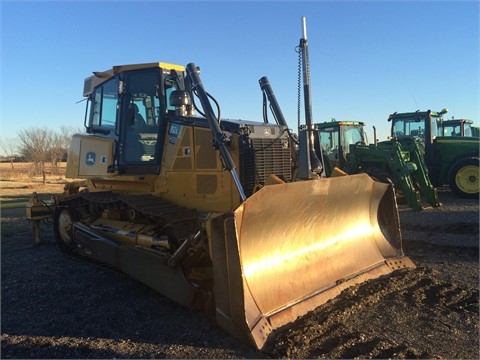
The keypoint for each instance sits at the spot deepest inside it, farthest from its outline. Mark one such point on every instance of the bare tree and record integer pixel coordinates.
(9, 147)
(66, 133)
(56, 151)
(60, 144)
(35, 145)
(41, 145)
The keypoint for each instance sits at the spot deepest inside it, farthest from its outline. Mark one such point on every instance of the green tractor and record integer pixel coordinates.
(342, 148)
(451, 160)
(458, 127)
(343, 145)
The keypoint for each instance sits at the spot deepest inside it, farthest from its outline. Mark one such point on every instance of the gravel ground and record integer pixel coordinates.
(54, 306)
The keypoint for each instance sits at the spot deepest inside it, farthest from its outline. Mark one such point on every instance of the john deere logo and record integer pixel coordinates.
(90, 158)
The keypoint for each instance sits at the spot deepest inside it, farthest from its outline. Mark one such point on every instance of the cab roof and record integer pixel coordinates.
(417, 113)
(339, 123)
(100, 77)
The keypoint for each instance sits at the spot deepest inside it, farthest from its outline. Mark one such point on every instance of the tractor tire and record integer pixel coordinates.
(463, 179)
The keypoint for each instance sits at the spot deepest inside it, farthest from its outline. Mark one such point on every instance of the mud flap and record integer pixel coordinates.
(291, 247)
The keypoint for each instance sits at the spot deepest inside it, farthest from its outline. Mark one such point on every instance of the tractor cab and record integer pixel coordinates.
(423, 126)
(335, 138)
(456, 127)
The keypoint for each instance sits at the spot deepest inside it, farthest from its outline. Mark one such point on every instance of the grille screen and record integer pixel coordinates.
(261, 158)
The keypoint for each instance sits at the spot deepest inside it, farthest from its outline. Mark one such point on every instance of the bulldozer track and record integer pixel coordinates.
(89, 261)
(154, 207)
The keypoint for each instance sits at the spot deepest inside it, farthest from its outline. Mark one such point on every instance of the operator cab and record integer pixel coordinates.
(456, 127)
(412, 127)
(423, 126)
(130, 105)
(335, 138)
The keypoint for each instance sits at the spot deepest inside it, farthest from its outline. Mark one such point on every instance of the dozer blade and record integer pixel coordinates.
(291, 247)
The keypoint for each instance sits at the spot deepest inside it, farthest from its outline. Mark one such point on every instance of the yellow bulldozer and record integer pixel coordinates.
(210, 211)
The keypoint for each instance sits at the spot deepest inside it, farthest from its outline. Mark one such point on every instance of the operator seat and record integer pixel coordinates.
(135, 119)
(134, 148)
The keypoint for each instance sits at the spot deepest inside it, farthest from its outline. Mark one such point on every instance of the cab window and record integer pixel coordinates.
(141, 116)
(329, 142)
(351, 135)
(104, 106)
(468, 130)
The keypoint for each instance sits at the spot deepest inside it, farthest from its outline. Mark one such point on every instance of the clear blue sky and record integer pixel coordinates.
(367, 59)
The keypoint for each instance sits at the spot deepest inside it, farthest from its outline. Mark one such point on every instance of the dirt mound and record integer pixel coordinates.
(386, 319)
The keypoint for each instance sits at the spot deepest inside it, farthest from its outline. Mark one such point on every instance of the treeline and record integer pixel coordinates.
(39, 146)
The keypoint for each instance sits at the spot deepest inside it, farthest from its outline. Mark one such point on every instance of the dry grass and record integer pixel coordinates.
(17, 183)
(17, 187)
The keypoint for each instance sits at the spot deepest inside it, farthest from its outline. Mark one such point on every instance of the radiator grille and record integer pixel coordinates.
(262, 157)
